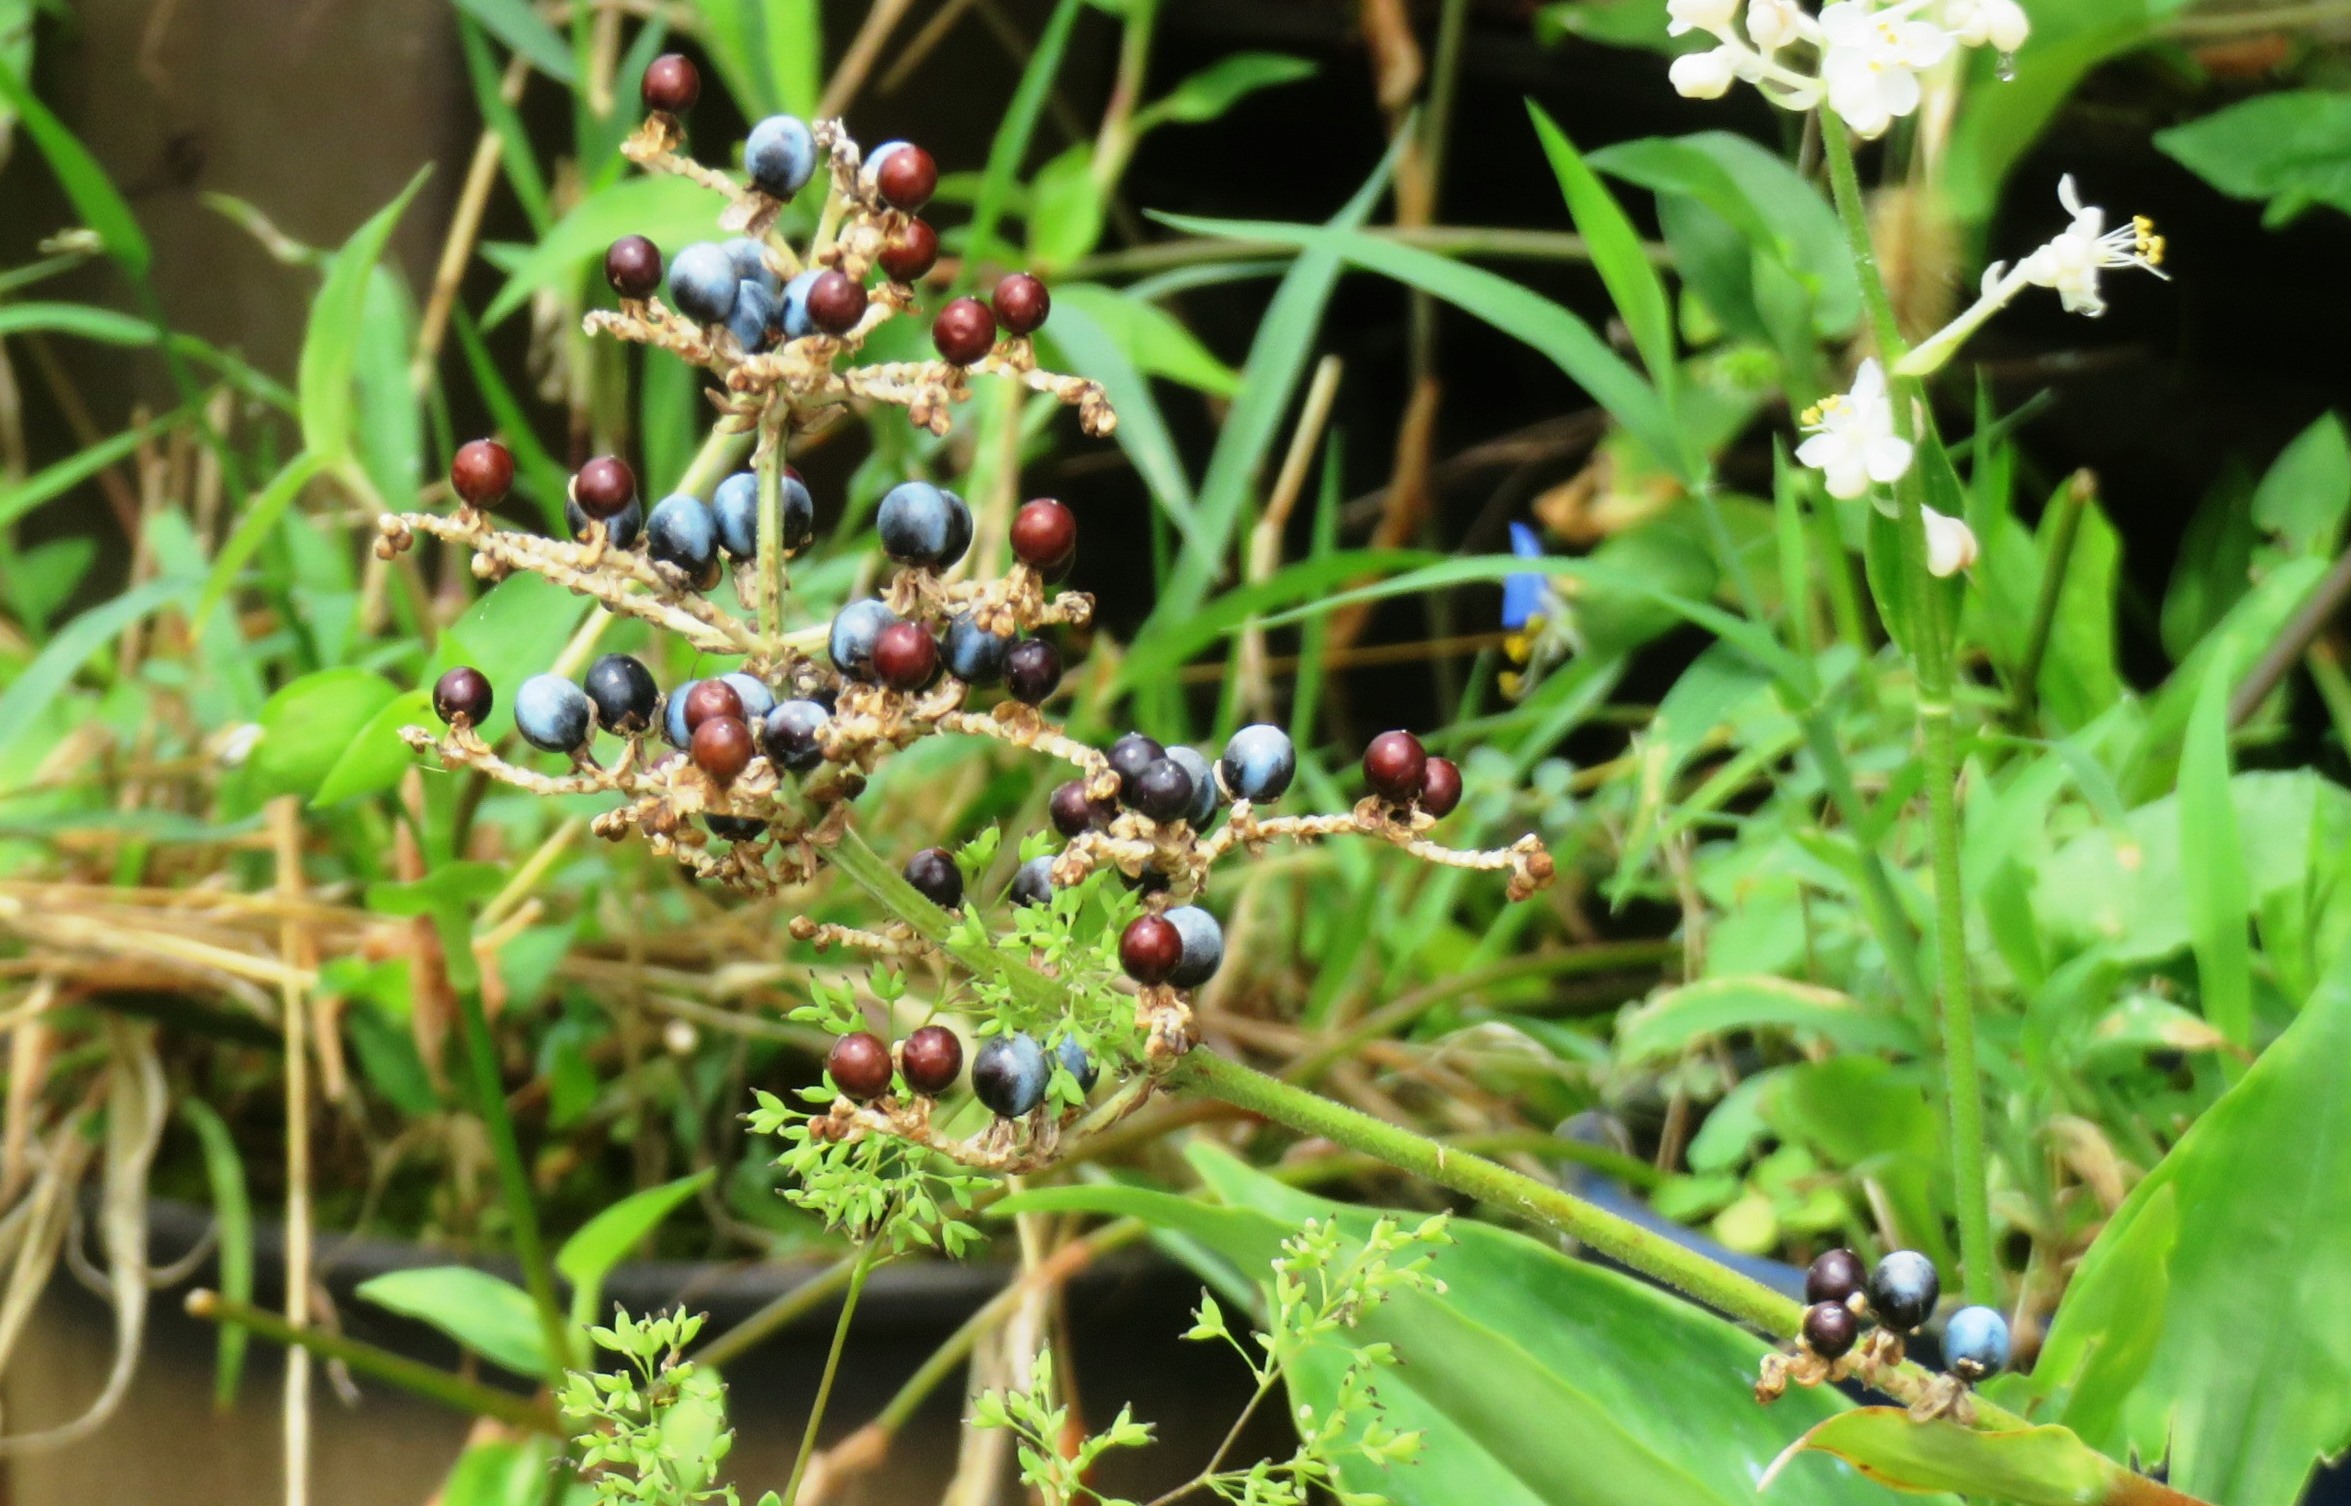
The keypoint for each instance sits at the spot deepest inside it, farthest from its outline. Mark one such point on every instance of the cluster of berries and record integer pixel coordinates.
(1898, 1295)
(1008, 1076)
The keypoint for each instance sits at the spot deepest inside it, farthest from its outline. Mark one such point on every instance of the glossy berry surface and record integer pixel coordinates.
(855, 628)
(974, 655)
(752, 691)
(481, 472)
(1440, 787)
(1032, 671)
(1074, 811)
(681, 531)
(793, 734)
(702, 282)
(931, 1058)
(756, 318)
(1077, 1063)
(1032, 882)
(723, 748)
(735, 506)
(1204, 800)
(904, 175)
(1044, 535)
(1021, 303)
(1163, 790)
(792, 321)
(751, 264)
(1903, 1290)
(552, 714)
(835, 301)
(905, 656)
(619, 533)
(1394, 766)
(1009, 1075)
(632, 265)
(923, 525)
(1203, 942)
(707, 700)
(1150, 949)
(911, 252)
(1975, 1343)
(1129, 757)
(935, 877)
(672, 84)
(963, 332)
(623, 693)
(673, 715)
(780, 155)
(859, 1065)
(605, 487)
(1830, 1329)
(736, 828)
(463, 692)
(1258, 764)
(1834, 1276)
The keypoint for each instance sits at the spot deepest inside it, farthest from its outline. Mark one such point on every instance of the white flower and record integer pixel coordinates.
(1773, 24)
(1704, 75)
(2072, 260)
(1950, 544)
(2001, 23)
(1710, 16)
(1853, 442)
(1873, 58)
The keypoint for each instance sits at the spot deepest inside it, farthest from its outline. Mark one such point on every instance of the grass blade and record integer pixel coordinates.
(232, 1211)
(26, 702)
(1617, 253)
(94, 196)
(330, 343)
(519, 27)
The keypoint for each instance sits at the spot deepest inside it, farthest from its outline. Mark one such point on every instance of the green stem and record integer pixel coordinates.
(1931, 657)
(409, 1375)
(2072, 501)
(832, 1367)
(778, 1314)
(769, 463)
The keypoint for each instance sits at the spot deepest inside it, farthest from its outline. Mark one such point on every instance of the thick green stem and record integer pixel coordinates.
(1931, 655)
(769, 463)
(832, 1367)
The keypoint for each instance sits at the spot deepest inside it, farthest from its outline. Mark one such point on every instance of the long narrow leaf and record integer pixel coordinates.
(519, 27)
(330, 343)
(261, 515)
(1011, 144)
(1617, 253)
(232, 1213)
(26, 701)
(94, 196)
(73, 470)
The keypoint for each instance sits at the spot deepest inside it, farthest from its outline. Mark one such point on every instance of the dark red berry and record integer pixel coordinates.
(672, 84)
(1835, 1276)
(906, 177)
(1440, 787)
(1074, 811)
(1150, 949)
(463, 692)
(1022, 303)
(905, 656)
(1032, 671)
(935, 877)
(633, 266)
(911, 251)
(605, 487)
(859, 1065)
(708, 700)
(1394, 766)
(964, 331)
(723, 748)
(481, 472)
(931, 1058)
(1044, 534)
(836, 301)
(1830, 1329)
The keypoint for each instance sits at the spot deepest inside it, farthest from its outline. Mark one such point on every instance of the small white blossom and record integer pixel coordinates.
(1710, 16)
(1705, 75)
(2072, 260)
(1872, 61)
(1950, 544)
(1852, 441)
(1773, 24)
(2000, 24)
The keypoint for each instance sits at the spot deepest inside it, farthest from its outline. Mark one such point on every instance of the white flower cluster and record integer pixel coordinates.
(1867, 57)
(1852, 442)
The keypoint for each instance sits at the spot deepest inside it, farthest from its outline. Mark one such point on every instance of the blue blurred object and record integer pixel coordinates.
(1522, 595)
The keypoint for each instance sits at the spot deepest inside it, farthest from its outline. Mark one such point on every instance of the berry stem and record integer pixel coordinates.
(769, 463)
(832, 1367)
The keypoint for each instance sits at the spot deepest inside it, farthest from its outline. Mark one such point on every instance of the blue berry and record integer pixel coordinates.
(922, 524)
(673, 716)
(792, 307)
(974, 655)
(1009, 1075)
(703, 282)
(780, 155)
(1975, 1343)
(623, 693)
(1079, 1065)
(753, 317)
(1204, 791)
(1258, 763)
(757, 699)
(854, 631)
(619, 532)
(736, 505)
(682, 532)
(1903, 1290)
(1032, 883)
(552, 713)
(1129, 757)
(793, 734)
(750, 262)
(1203, 945)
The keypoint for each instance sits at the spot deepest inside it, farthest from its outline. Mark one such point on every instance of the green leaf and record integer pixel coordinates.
(306, 727)
(24, 703)
(673, 211)
(54, 481)
(2250, 1381)
(2293, 149)
(262, 515)
(605, 1240)
(493, 1318)
(232, 1212)
(1151, 338)
(1065, 211)
(2043, 1466)
(331, 341)
(2303, 495)
(391, 420)
(1010, 146)
(376, 757)
(1618, 254)
(2217, 892)
(519, 27)
(1221, 85)
(1670, 1022)
(93, 194)
(1089, 349)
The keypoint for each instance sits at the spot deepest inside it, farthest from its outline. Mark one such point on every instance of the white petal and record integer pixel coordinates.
(1886, 457)
(1818, 450)
(1847, 24)
(1898, 91)
(2066, 195)
(1869, 382)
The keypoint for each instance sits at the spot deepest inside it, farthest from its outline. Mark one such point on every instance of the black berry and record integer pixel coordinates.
(463, 692)
(1834, 1276)
(633, 267)
(1032, 671)
(623, 693)
(935, 877)
(1830, 1329)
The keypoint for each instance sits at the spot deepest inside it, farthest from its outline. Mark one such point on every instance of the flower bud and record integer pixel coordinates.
(1951, 545)
(1704, 75)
